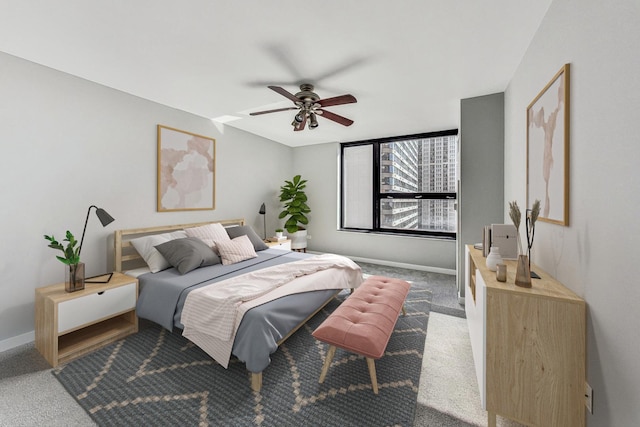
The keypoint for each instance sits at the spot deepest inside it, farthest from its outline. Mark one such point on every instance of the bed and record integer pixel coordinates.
(261, 323)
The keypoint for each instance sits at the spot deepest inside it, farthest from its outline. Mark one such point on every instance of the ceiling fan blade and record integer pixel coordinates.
(284, 93)
(301, 125)
(337, 100)
(335, 117)
(257, 113)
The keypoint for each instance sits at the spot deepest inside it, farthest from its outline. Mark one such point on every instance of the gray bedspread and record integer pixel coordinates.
(162, 297)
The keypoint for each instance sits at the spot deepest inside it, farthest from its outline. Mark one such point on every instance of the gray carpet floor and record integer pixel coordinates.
(448, 395)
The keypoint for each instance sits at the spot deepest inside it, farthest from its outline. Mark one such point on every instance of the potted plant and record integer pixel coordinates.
(295, 210)
(279, 232)
(74, 274)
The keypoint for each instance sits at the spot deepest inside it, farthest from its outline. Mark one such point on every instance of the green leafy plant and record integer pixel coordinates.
(279, 230)
(71, 251)
(295, 204)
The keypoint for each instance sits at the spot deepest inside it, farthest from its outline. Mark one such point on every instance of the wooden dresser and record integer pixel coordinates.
(528, 346)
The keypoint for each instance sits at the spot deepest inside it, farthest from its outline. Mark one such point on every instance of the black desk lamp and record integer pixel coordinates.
(263, 212)
(105, 219)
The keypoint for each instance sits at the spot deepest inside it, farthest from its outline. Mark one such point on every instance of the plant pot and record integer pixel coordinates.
(523, 274)
(74, 277)
(299, 239)
(279, 234)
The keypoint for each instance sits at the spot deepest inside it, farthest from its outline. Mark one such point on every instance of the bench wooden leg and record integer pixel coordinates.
(256, 381)
(404, 310)
(327, 363)
(372, 373)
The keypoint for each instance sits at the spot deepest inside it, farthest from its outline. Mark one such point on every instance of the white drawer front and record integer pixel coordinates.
(285, 246)
(90, 308)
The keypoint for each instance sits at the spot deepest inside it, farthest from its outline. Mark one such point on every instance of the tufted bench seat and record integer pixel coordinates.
(364, 322)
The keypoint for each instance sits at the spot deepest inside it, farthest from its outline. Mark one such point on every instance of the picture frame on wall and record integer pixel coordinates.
(548, 149)
(186, 171)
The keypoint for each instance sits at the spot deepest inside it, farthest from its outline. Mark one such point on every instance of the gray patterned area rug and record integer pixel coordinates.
(159, 378)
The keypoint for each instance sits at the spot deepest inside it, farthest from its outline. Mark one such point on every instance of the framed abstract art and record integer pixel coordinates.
(186, 170)
(548, 149)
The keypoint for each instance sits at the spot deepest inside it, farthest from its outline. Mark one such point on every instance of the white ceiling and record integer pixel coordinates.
(408, 62)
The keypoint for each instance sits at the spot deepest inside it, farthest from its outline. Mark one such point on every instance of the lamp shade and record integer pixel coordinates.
(262, 211)
(104, 217)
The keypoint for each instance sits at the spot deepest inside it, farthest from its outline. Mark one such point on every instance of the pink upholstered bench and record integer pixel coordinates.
(364, 322)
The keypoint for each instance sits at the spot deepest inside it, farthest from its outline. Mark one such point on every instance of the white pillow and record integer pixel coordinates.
(210, 234)
(153, 258)
(236, 250)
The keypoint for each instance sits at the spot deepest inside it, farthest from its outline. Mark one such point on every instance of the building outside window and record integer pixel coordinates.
(401, 185)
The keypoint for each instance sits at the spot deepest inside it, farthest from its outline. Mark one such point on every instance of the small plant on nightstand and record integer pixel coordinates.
(279, 232)
(71, 252)
(74, 274)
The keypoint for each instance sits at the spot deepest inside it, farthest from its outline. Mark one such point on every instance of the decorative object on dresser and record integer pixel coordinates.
(528, 345)
(530, 224)
(523, 274)
(494, 258)
(186, 171)
(279, 233)
(504, 237)
(548, 149)
(296, 209)
(68, 325)
(74, 270)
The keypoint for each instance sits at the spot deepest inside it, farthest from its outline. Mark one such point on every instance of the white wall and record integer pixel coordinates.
(595, 255)
(320, 164)
(67, 144)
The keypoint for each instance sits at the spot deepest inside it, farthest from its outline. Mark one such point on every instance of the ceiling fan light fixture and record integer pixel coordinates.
(299, 118)
(313, 121)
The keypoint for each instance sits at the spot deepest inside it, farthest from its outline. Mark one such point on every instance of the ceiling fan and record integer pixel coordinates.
(310, 106)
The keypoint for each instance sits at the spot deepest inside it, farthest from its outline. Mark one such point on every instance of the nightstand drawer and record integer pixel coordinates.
(91, 308)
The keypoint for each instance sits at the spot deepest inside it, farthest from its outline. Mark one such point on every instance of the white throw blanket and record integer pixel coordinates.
(212, 314)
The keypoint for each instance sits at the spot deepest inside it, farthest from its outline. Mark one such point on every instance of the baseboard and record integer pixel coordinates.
(401, 265)
(17, 341)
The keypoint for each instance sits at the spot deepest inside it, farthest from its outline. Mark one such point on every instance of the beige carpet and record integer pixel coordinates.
(448, 381)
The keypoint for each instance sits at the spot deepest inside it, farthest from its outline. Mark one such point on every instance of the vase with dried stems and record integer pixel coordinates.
(523, 270)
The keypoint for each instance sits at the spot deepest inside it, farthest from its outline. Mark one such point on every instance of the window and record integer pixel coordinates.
(403, 185)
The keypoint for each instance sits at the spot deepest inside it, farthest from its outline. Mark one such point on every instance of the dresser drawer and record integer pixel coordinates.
(91, 308)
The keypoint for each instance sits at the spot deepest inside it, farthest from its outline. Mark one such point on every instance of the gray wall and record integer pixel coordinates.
(69, 143)
(320, 164)
(481, 188)
(595, 255)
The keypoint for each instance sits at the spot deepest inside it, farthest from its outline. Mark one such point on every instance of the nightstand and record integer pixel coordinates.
(71, 324)
(285, 246)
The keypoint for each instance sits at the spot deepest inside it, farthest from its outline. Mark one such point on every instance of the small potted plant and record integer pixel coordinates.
(295, 209)
(279, 232)
(74, 274)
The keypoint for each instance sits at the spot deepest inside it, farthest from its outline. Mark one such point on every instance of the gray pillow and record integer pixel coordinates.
(245, 230)
(188, 254)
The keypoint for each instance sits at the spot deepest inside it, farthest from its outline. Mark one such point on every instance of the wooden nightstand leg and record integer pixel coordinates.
(372, 373)
(327, 363)
(491, 419)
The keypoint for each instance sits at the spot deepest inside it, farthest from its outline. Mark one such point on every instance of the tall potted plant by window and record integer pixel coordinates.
(295, 210)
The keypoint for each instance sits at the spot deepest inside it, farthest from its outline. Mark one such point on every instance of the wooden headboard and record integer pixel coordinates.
(126, 257)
